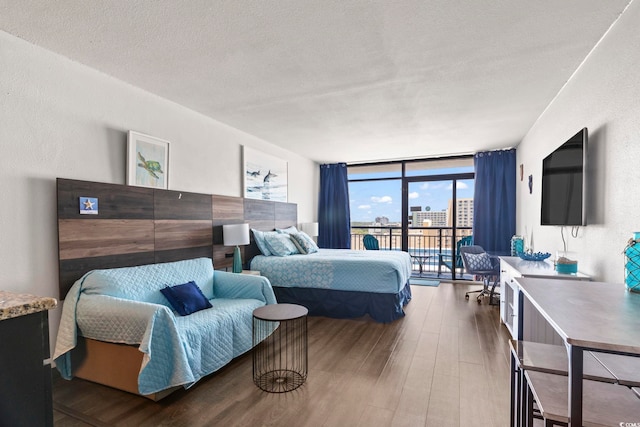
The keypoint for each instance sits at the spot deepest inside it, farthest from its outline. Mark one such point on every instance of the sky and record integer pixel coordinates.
(371, 199)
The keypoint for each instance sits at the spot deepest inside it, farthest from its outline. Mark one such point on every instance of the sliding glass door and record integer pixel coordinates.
(440, 215)
(422, 207)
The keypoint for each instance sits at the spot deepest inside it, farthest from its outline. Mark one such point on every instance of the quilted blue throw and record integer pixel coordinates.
(124, 305)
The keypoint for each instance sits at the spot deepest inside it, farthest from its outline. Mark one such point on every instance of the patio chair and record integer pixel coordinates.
(446, 260)
(479, 263)
(370, 242)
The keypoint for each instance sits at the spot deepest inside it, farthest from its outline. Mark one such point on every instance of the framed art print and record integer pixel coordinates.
(264, 176)
(147, 161)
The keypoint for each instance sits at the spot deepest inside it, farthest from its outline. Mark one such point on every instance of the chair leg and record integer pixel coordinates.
(528, 418)
(494, 294)
(514, 408)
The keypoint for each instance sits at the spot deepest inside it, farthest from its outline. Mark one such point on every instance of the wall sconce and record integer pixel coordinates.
(311, 228)
(235, 235)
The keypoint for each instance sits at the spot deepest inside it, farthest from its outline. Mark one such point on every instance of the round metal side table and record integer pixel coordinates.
(280, 347)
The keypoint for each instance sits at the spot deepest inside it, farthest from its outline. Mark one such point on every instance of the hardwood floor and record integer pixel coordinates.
(444, 364)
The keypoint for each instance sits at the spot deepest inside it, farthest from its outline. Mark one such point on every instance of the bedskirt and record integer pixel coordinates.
(381, 307)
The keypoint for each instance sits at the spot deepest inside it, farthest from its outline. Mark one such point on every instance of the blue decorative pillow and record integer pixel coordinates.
(259, 237)
(186, 298)
(280, 244)
(479, 262)
(304, 242)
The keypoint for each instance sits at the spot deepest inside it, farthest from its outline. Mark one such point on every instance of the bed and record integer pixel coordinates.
(341, 283)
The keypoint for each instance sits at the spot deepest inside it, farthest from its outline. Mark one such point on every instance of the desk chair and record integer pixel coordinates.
(370, 242)
(446, 260)
(478, 263)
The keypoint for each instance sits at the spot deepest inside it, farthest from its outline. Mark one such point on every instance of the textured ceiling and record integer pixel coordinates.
(336, 80)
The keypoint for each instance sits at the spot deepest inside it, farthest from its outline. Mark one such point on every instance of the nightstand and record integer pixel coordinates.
(253, 272)
(25, 365)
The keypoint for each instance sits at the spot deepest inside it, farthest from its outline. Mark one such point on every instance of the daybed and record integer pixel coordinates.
(117, 324)
(339, 283)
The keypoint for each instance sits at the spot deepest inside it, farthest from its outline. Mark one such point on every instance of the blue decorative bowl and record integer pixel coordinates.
(536, 256)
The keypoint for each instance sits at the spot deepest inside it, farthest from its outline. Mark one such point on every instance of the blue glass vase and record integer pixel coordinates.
(632, 263)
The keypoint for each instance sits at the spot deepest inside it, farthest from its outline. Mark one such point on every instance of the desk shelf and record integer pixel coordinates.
(590, 316)
(536, 328)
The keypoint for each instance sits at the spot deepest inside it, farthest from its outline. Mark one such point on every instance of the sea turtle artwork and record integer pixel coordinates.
(150, 166)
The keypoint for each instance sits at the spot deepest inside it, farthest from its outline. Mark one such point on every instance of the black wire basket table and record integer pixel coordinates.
(280, 357)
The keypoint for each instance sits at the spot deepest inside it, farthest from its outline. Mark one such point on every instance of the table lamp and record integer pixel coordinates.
(236, 235)
(311, 228)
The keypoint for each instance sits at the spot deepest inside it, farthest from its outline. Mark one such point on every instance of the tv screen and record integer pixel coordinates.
(563, 183)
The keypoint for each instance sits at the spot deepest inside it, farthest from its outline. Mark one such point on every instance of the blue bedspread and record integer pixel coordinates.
(338, 269)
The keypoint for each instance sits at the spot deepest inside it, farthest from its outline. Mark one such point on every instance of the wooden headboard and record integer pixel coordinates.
(137, 225)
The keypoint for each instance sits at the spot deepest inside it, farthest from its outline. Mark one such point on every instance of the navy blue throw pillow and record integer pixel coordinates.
(186, 298)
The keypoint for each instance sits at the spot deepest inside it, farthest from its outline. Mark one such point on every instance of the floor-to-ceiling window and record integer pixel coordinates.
(420, 206)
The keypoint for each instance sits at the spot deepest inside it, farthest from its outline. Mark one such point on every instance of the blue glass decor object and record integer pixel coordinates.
(517, 245)
(566, 262)
(632, 263)
(237, 260)
(567, 268)
(535, 256)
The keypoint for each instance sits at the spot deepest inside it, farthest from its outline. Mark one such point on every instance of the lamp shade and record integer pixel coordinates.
(235, 234)
(311, 228)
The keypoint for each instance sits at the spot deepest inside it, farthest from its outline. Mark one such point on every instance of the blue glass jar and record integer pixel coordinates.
(632, 263)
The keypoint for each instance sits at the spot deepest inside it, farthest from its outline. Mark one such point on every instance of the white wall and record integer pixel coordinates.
(604, 96)
(61, 119)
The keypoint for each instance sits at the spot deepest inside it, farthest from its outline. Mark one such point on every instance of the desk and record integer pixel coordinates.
(537, 328)
(588, 316)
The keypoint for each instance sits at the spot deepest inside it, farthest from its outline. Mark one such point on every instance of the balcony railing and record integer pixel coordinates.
(425, 243)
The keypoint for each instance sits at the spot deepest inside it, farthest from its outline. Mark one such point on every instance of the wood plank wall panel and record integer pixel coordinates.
(180, 254)
(117, 236)
(226, 210)
(261, 215)
(169, 204)
(183, 225)
(175, 234)
(137, 226)
(87, 238)
(72, 269)
(286, 215)
(223, 257)
(114, 201)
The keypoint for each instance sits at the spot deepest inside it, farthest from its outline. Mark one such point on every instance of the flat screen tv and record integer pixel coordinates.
(563, 183)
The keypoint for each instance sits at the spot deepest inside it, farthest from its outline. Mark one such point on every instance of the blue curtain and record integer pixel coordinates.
(494, 201)
(334, 218)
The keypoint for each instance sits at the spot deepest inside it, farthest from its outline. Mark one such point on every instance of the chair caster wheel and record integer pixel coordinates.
(466, 297)
(479, 301)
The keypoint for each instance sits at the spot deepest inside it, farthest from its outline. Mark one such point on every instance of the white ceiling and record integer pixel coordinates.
(336, 80)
